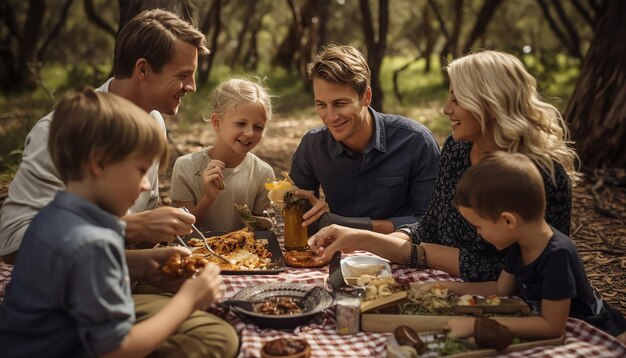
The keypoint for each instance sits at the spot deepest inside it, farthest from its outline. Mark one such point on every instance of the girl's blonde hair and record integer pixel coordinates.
(496, 88)
(227, 95)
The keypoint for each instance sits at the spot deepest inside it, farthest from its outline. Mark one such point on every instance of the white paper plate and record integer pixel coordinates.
(354, 266)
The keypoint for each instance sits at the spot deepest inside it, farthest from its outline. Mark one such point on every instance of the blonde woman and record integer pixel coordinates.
(493, 105)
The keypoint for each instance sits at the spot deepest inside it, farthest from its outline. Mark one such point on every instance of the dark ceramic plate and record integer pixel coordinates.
(316, 303)
(278, 261)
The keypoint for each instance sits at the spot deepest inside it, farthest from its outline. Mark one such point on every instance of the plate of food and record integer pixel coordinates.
(282, 305)
(250, 253)
(476, 305)
(354, 267)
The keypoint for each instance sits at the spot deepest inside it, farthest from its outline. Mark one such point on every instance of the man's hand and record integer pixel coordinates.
(331, 239)
(320, 207)
(146, 265)
(158, 225)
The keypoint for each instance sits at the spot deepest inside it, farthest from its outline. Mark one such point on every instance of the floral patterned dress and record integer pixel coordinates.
(444, 225)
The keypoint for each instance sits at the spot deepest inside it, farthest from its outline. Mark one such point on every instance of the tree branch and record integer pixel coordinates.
(9, 19)
(584, 13)
(56, 29)
(482, 20)
(571, 30)
(555, 27)
(93, 16)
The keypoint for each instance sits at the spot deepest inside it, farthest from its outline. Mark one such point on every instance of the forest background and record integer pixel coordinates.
(575, 49)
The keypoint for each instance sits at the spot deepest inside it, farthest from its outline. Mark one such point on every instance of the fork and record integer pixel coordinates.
(206, 245)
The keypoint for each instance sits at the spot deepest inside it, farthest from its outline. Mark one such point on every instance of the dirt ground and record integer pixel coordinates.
(599, 204)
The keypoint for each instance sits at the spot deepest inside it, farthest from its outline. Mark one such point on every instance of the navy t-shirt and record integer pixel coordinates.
(558, 273)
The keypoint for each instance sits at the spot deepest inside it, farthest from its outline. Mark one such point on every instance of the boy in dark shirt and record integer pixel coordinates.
(503, 197)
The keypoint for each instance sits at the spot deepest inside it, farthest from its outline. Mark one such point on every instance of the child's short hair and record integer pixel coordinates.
(341, 64)
(227, 95)
(92, 123)
(502, 182)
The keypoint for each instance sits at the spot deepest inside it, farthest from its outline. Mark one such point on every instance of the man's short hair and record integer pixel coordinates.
(502, 182)
(89, 124)
(151, 35)
(341, 64)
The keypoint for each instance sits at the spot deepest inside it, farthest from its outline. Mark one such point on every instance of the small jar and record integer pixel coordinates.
(348, 312)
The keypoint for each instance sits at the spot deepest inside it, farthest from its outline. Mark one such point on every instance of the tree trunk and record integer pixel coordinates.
(95, 18)
(572, 43)
(54, 32)
(596, 108)
(301, 41)
(322, 31)
(247, 19)
(376, 45)
(19, 69)
(482, 20)
(212, 19)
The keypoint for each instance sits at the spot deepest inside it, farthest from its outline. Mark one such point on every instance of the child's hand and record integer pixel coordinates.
(205, 288)
(460, 327)
(147, 265)
(213, 178)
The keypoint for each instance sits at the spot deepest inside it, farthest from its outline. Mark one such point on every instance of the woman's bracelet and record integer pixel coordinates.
(417, 257)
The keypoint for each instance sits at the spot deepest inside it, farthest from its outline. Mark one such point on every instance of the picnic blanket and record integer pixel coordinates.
(581, 339)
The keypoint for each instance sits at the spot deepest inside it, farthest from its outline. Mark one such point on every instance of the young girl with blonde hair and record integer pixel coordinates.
(211, 181)
(493, 105)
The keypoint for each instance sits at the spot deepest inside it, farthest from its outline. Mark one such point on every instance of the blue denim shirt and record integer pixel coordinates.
(70, 292)
(393, 179)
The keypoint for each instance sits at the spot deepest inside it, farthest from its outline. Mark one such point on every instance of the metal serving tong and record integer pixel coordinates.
(206, 245)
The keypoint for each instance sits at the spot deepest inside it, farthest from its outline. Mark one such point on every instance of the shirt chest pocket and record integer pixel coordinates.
(390, 181)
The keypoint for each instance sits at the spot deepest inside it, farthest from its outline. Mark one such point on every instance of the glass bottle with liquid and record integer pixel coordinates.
(295, 234)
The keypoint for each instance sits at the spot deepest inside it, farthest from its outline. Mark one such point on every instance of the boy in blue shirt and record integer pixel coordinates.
(503, 197)
(70, 293)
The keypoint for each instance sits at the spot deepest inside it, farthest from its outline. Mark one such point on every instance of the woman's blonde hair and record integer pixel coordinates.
(227, 95)
(498, 90)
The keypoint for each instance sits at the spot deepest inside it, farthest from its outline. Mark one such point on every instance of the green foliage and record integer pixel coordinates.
(556, 76)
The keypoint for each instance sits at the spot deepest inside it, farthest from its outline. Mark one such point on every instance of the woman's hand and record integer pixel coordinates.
(213, 178)
(331, 239)
(320, 207)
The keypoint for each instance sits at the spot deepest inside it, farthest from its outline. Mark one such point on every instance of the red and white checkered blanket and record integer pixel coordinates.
(581, 339)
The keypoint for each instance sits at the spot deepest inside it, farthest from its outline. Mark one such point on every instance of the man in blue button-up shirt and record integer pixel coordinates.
(377, 171)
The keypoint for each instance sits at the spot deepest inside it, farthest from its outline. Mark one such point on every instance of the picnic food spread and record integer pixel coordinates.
(240, 247)
(286, 347)
(184, 266)
(303, 259)
(277, 188)
(279, 306)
